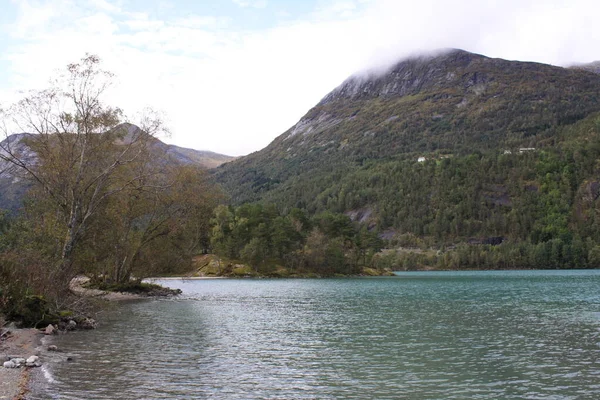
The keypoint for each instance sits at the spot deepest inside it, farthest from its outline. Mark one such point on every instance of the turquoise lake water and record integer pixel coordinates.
(419, 335)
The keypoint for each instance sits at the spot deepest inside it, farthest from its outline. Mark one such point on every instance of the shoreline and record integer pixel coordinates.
(15, 382)
(183, 278)
(77, 288)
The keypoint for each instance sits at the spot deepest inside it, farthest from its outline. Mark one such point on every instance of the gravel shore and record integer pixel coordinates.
(15, 383)
(18, 343)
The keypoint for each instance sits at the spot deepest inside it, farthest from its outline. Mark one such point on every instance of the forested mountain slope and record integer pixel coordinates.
(508, 149)
(455, 103)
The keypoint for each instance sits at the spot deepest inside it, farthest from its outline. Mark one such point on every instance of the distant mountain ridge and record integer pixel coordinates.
(13, 186)
(12, 183)
(203, 158)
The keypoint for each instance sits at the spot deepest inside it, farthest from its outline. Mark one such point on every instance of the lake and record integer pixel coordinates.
(419, 335)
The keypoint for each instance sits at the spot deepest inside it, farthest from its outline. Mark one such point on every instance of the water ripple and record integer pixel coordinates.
(508, 335)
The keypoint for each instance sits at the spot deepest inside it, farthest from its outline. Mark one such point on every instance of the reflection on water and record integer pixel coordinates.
(476, 335)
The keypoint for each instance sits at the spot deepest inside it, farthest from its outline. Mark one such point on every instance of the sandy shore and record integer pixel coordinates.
(19, 343)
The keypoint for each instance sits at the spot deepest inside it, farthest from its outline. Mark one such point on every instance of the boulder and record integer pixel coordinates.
(50, 330)
(87, 323)
(67, 324)
(33, 359)
(72, 325)
(33, 364)
(18, 361)
(52, 348)
(10, 364)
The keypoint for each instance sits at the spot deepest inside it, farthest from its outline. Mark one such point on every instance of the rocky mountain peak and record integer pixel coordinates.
(414, 74)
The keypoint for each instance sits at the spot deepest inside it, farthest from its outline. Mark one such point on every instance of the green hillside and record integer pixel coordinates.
(456, 103)
(511, 151)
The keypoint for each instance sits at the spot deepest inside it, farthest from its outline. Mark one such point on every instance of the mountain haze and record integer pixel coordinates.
(592, 67)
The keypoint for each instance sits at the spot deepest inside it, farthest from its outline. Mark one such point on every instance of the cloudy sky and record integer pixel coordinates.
(231, 75)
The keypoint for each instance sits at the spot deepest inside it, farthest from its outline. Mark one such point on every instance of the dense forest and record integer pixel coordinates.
(540, 204)
(266, 239)
(457, 161)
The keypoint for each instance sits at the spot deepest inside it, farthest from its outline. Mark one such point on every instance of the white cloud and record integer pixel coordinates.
(33, 15)
(201, 21)
(104, 5)
(142, 22)
(537, 30)
(251, 3)
(231, 90)
(336, 9)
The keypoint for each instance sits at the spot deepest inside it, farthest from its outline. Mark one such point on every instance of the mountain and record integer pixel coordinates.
(451, 103)
(447, 145)
(13, 186)
(203, 158)
(206, 159)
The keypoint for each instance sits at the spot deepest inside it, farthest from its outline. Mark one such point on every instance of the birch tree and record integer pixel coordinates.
(156, 227)
(80, 147)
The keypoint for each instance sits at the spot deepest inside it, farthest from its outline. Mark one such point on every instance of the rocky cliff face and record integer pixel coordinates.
(414, 75)
(444, 102)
